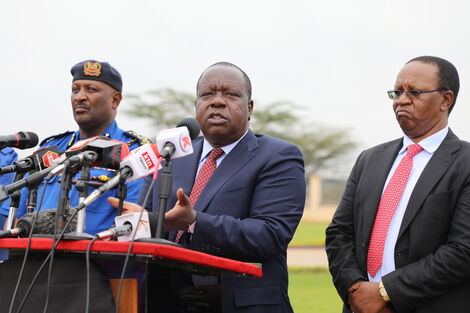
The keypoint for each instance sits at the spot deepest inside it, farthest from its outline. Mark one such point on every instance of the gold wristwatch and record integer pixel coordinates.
(383, 293)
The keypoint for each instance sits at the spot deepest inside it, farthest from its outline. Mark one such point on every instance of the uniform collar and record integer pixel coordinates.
(107, 132)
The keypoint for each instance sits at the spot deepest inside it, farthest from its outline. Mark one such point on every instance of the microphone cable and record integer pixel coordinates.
(55, 244)
(28, 246)
(131, 243)
(88, 250)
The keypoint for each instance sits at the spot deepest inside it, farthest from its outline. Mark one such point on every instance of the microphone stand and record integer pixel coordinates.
(82, 188)
(64, 199)
(14, 203)
(121, 193)
(165, 177)
(32, 199)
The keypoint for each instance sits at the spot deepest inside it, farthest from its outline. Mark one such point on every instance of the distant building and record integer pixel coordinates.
(323, 196)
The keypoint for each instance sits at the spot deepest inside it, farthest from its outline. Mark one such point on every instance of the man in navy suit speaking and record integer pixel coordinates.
(240, 195)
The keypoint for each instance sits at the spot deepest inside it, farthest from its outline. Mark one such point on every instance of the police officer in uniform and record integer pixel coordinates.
(96, 95)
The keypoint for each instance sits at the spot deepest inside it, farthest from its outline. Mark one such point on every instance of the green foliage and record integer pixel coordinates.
(309, 234)
(164, 108)
(311, 290)
(322, 147)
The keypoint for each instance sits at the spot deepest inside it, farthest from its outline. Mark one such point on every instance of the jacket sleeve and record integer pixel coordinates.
(273, 204)
(340, 238)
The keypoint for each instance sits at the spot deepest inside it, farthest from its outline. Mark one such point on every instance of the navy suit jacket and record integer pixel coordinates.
(432, 253)
(248, 211)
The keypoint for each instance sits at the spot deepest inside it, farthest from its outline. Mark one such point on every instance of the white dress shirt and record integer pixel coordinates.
(420, 161)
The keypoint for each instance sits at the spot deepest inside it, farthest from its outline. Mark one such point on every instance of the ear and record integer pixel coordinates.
(117, 97)
(447, 99)
(251, 105)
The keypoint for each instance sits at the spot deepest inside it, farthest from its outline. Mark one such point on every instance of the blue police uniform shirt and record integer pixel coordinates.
(99, 215)
(7, 157)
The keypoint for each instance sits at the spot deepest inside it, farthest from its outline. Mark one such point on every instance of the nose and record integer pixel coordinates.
(78, 96)
(218, 100)
(403, 99)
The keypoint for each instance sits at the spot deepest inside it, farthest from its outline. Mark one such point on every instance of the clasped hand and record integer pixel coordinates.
(364, 297)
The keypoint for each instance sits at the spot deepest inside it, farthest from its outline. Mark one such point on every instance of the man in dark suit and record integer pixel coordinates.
(400, 238)
(249, 208)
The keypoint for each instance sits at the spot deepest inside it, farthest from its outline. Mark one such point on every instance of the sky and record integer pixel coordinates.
(337, 59)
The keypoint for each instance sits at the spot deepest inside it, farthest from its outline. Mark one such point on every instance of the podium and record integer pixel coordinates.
(144, 289)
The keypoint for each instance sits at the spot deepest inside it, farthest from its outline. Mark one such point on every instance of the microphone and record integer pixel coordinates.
(23, 229)
(37, 161)
(20, 140)
(98, 152)
(176, 142)
(141, 162)
(115, 232)
(44, 225)
(78, 147)
(141, 227)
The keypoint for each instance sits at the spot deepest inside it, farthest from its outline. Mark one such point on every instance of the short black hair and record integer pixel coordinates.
(447, 74)
(247, 79)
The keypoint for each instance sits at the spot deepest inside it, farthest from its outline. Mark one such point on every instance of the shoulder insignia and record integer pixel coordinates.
(141, 140)
(55, 137)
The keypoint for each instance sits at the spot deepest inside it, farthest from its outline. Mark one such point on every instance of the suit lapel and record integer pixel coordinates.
(184, 173)
(380, 165)
(230, 165)
(433, 171)
(185, 168)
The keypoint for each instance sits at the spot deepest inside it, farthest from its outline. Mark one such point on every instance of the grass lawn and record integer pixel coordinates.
(311, 291)
(308, 234)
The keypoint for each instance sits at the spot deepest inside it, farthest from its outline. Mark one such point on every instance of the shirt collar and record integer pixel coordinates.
(429, 144)
(107, 132)
(207, 147)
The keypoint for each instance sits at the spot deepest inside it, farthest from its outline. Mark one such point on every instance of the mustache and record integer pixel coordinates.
(81, 105)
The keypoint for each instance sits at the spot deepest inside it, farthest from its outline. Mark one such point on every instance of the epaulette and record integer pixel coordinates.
(142, 140)
(55, 137)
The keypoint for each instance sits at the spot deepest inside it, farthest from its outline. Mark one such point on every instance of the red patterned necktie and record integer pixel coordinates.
(387, 206)
(205, 173)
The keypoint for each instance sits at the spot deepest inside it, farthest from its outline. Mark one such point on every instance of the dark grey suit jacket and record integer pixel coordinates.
(432, 253)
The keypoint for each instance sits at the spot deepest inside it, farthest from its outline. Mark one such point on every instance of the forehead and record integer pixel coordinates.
(222, 75)
(87, 82)
(419, 73)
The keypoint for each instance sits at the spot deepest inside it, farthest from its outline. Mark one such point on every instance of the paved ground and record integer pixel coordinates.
(313, 256)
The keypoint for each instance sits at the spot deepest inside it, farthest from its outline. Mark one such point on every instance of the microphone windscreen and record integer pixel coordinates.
(192, 125)
(27, 140)
(45, 222)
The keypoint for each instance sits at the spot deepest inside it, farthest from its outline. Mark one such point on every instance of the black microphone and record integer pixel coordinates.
(107, 154)
(20, 140)
(37, 161)
(44, 225)
(23, 228)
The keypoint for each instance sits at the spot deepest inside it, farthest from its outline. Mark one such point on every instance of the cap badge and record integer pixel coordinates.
(92, 68)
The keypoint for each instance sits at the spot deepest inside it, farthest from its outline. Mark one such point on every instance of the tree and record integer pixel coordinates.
(322, 147)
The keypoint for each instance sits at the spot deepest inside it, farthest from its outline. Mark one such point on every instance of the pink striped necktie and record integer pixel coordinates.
(205, 173)
(387, 206)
